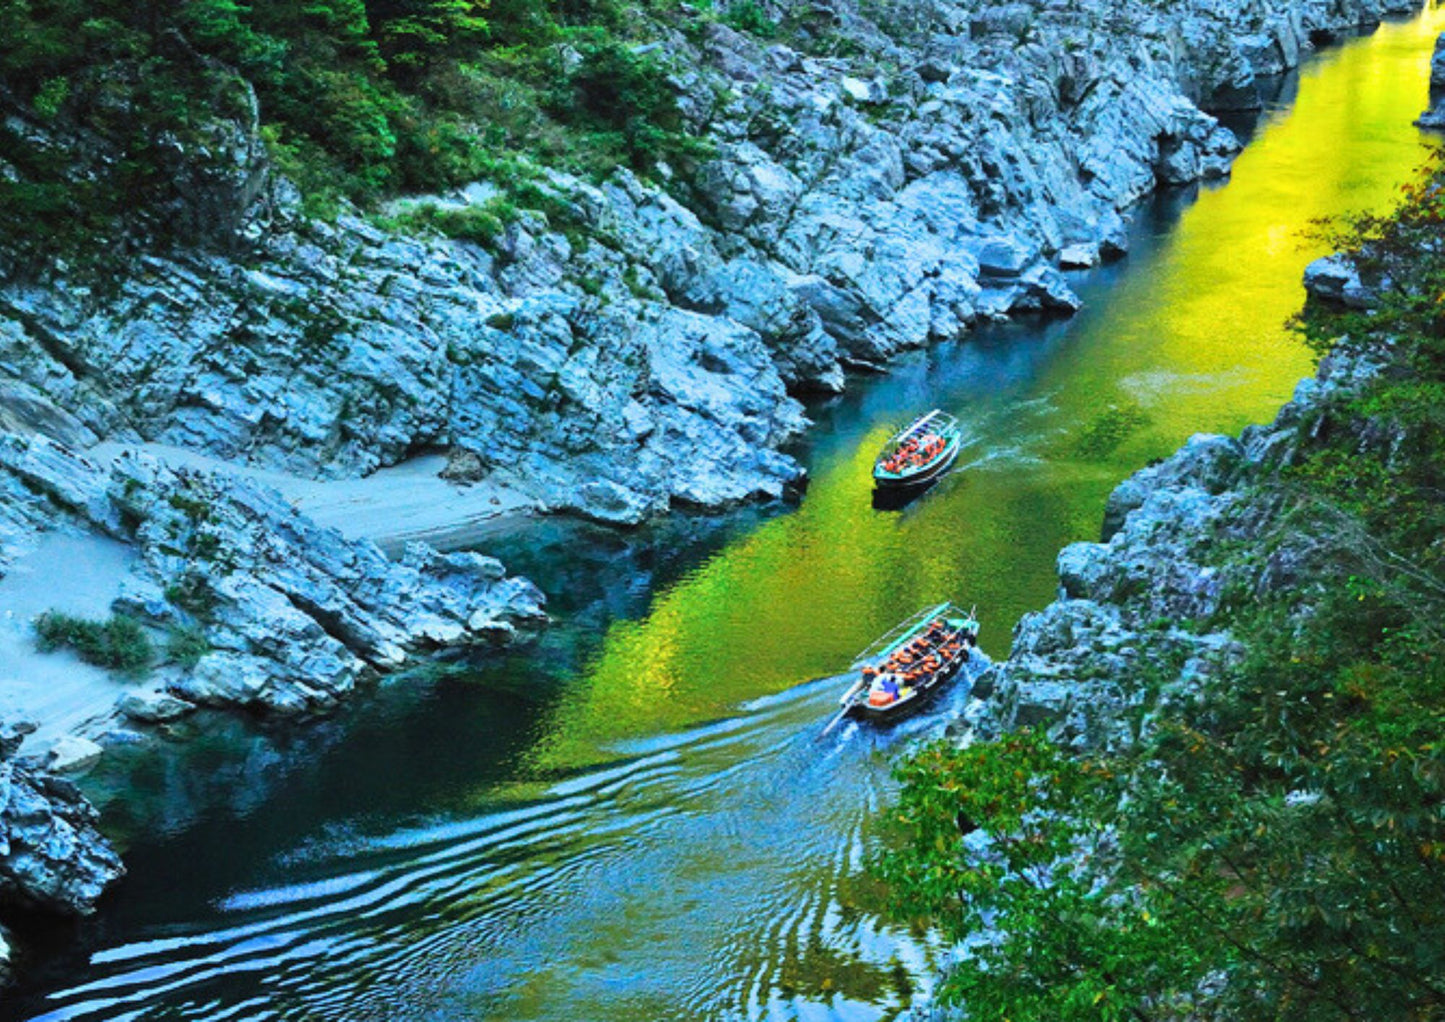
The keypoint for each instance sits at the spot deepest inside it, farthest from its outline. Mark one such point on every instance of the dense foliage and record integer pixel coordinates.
(118, 642)
(357, 98)
(1273, 846)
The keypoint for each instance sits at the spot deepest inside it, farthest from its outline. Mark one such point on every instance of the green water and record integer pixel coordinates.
(1190, 339)
(637, 818)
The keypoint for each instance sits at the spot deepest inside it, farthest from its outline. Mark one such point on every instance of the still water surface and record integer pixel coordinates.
(636, 818)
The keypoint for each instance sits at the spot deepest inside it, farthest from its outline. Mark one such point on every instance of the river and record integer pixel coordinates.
(636, 817)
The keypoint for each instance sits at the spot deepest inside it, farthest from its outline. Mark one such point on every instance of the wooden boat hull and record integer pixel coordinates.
(901, 708)
(892, 664)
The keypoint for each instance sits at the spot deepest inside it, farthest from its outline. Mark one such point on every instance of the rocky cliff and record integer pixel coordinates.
(1143, 614)
(619, 347)
(1226, 727)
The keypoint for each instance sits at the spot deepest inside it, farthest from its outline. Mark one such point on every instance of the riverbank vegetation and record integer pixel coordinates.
(1272, 845)
(358, 99)
(118, 642)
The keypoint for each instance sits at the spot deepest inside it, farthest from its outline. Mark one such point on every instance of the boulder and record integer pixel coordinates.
(52, 857)
(154, 707)
(1433, 118)
(1079, 257)
(73, 754)
(1002, 256)
(1336, 279)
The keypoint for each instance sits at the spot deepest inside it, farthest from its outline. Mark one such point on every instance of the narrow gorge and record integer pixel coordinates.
(266, 450)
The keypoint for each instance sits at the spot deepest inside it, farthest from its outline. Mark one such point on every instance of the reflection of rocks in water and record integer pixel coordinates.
(1275, 92)
(222, 766)
(217, 764)
(594, 572)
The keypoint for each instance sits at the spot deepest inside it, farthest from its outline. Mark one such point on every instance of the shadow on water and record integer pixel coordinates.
(635, 817)
(896, 498)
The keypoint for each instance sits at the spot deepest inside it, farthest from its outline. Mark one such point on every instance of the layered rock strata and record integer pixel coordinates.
(280, 617)
(635, 347)
(53, 859)
(291, 615)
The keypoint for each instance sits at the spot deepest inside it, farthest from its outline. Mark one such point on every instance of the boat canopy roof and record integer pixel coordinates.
(904, 631)
(936, 421)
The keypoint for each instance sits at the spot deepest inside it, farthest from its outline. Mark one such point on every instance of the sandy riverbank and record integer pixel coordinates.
(74, 574)
(81, 574)
(390, 507)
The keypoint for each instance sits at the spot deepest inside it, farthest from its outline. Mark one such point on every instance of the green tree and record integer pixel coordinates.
(1009, 841)
(415, 31)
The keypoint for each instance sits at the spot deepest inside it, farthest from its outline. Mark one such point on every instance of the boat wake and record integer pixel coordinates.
(715, 873)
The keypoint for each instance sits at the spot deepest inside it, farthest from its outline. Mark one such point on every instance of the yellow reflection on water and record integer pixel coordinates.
(1191, 339)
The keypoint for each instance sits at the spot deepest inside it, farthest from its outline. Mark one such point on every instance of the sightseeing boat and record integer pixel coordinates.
(920, 453)
(899, 671)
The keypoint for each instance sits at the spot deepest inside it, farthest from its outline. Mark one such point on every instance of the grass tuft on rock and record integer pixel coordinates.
(118, 643)
(185, 645)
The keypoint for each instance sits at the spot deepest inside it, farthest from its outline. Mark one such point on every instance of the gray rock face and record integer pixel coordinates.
(1333, 278)
(1336, 280)
(154, 708)
(850, 213)
(1207, 462)
(1434, 117)
(294, 614)
(1142, 603)
(51, 855)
